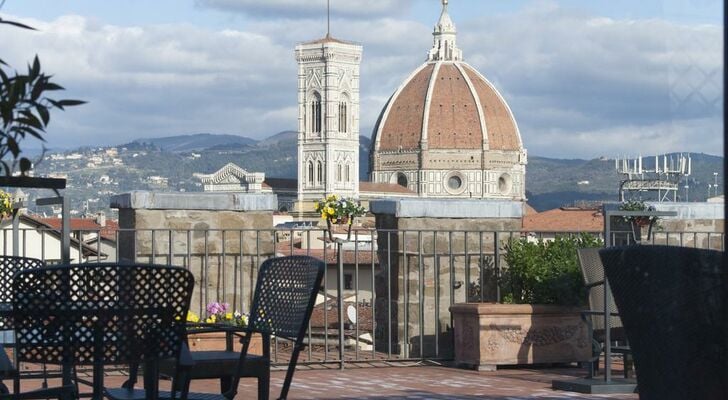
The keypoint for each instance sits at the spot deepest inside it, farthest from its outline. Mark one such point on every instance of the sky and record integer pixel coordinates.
(584, 78)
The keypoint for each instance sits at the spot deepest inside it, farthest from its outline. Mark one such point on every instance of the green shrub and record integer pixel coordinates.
(545, 272)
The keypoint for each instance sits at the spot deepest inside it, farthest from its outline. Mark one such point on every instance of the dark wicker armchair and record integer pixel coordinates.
(592, 271)
(283, 301)
(672, 304)
(9, 266)
(97, 315)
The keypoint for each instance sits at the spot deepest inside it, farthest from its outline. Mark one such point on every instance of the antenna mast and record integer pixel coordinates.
(328, 18)
(661, 178)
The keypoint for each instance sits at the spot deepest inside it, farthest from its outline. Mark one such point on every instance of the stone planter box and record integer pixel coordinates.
(488, 335)
(216, 341)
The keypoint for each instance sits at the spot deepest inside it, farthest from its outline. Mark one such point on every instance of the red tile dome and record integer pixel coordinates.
(448, 105)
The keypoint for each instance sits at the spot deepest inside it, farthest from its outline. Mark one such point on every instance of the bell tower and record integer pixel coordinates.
(328, 119)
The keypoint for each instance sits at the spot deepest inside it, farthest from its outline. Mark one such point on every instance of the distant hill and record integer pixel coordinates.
(550, 182)
(196, 142)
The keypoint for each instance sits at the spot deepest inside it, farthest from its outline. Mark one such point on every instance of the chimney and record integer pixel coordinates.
(101, 218)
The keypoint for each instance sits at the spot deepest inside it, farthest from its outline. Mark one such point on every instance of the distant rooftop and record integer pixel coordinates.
(565, 219)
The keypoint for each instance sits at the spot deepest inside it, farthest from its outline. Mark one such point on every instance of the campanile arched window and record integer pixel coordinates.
(315, 113)
(319, 173)
(310, 172)
(343, 117)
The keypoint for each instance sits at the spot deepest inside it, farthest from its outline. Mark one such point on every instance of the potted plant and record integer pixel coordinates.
(338, 210)
(637, 222)
(216, 331)
(6, 204)
(539, 320)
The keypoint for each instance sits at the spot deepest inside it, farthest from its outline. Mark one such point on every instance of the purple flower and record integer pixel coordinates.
(216, 308)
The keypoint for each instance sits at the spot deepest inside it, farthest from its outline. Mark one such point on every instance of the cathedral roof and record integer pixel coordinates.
(329, 39)
(446, 104)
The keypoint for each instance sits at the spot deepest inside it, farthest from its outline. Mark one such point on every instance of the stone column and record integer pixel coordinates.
(221, 237)
(434, 252)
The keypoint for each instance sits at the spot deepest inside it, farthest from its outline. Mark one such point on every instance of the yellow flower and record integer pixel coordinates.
(229, 316)
(192, 317)
(211, 320)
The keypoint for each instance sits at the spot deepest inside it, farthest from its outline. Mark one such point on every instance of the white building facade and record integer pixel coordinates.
(328, 119)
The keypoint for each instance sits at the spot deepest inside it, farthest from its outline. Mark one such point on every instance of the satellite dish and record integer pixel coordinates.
(351, 313)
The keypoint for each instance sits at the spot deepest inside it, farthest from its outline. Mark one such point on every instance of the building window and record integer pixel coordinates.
(338, 172)
(310, 172)
(402, 180)
(454, 182)
(319, 172)
(315, 120)
(343, 117)
(505, 184)
(348, 173)
(348, 282)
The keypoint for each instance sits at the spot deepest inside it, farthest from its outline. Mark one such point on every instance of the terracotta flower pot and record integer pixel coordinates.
(217, 341)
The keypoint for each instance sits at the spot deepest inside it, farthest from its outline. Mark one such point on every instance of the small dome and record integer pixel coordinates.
(449, 105)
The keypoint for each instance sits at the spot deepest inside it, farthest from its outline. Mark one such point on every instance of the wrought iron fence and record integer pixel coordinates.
(386, 293)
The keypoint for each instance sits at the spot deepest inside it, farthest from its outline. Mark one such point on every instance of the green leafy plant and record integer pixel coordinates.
(6, 204)
(545, 271)
(336, 209)
(24, 108)
(638, 205)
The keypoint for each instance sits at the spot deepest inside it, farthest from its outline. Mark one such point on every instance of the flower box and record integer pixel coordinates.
(488, 335)
(216, 341)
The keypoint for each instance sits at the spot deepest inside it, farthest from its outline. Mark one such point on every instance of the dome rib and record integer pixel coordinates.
(502, 129)
(454, 119)
(479, 105)
(403, 127)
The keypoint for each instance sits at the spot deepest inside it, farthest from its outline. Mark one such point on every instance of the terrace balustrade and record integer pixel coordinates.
(396, 286)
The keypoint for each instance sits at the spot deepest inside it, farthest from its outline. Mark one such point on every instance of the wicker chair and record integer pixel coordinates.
(9, 266)
(672, 303)
(282, 304)
(100, 314)
(592, 271)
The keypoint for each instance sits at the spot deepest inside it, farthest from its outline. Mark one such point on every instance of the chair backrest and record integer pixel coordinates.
(285, 295)
(672, 303)
(9, 266)
(100, 313)
(592, 271)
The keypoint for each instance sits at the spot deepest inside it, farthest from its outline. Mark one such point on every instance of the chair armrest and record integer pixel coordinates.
(7, 369)
(185, 358)
(592, 312)
(593, 284)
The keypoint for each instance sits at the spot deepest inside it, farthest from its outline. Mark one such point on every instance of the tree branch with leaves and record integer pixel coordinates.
(25, 108)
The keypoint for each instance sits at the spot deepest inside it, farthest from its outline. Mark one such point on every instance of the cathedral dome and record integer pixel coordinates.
(447, 132)
(446, 105)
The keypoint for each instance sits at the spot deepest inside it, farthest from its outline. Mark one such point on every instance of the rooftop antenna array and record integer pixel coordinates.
(662, 179)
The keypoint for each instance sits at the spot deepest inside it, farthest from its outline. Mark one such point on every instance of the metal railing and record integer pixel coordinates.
(386, 293)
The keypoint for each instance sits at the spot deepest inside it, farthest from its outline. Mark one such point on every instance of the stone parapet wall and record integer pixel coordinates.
(439, 249)
(221, 237)
(695, 224)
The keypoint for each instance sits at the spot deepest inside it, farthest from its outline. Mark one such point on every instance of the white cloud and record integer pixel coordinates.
(579, 85)
(309, 8)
